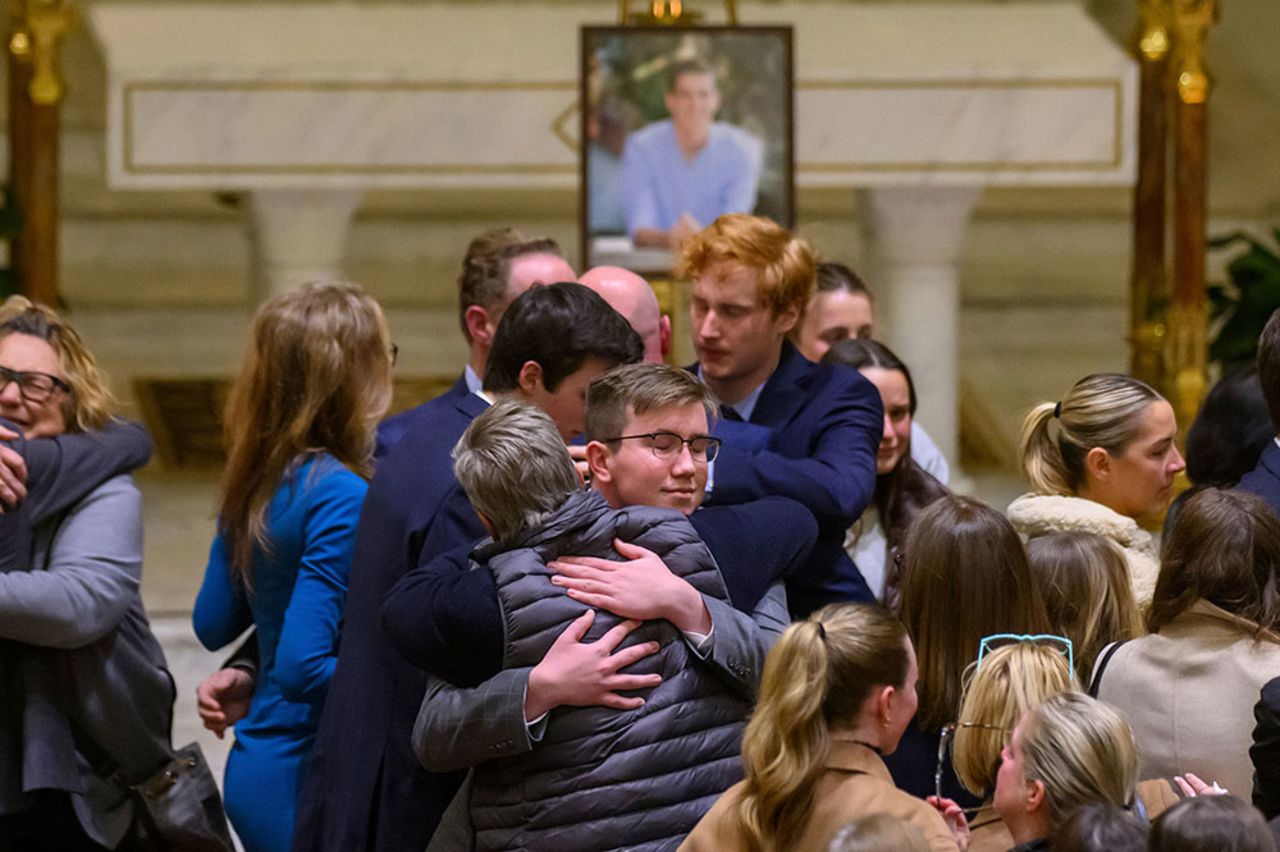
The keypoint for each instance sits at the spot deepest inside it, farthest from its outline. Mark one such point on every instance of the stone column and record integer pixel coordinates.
(299, 235)
(914, 239)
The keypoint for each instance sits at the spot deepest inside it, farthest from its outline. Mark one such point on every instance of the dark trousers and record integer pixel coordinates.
(50, 825)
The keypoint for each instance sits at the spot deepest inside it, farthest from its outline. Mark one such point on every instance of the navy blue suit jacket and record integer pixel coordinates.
(826, 423)
(447, 619)
(364, 788)
(1264, 480)
(391, 430)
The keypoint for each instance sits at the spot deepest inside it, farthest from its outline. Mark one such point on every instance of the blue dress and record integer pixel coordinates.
(299, 588)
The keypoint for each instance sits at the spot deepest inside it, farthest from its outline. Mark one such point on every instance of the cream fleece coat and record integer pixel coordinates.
(1037, 514)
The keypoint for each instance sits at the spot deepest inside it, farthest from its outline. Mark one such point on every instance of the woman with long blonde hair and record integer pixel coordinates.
(837, 692)
(300, 427)
(1097, 460)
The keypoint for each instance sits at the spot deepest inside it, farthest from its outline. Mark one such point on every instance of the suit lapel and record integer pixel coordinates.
(1271, 459)
(472, 405)
(785, 391)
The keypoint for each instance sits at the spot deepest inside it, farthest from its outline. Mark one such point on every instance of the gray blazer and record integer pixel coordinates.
(83, 644)
(460, 728)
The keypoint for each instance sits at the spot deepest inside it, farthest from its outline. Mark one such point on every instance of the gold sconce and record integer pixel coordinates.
(668, 13)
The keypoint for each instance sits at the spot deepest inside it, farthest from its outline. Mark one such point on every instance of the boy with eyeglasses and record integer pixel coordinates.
(598, 772)
(649, 445)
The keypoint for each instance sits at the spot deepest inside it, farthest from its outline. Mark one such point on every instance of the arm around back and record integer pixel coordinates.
(834, 474)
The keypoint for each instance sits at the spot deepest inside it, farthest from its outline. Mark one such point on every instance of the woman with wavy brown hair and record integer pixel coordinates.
(966, 577)
(838, 691)
(1189, 688)
(300, 427)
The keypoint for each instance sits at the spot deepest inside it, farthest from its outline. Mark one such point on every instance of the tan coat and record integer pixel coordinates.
(1188, 692)
(987, 832)
(855, 783)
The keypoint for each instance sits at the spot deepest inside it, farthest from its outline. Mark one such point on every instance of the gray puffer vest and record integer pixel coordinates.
(600, 778)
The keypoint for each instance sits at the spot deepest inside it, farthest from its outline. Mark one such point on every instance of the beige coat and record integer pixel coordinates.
(1038, 514)
(988, 833)
(855, 783)
(1189, 690)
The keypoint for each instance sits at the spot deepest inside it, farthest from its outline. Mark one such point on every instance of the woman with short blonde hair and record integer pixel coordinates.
(79, 651)
(87, 401)
(838, 691)
(300, 426)
(1099, 458)
(1068, 751)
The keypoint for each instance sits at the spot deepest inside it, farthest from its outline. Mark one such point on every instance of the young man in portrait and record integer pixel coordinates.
(682, 172)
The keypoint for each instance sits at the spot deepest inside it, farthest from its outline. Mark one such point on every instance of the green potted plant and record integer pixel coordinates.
(1242, 305)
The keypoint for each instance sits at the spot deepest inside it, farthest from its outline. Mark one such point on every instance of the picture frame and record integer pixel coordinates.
(678, 126)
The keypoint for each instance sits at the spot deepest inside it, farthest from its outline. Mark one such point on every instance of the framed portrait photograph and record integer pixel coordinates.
(680, 126)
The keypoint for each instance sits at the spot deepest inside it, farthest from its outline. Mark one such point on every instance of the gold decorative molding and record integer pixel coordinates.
(1191, 19)
(1153, 29)
(38, 28)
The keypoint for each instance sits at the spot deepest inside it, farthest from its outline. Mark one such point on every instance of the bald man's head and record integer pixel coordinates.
(631, 296)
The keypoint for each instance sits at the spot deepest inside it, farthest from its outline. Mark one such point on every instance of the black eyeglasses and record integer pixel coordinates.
(34, 387)
(666, 445)
(395, 354)
(944, 743)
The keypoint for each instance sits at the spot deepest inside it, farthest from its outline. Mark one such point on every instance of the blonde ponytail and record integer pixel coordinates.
(1101, 410)
(1040, 457)
(817, 677)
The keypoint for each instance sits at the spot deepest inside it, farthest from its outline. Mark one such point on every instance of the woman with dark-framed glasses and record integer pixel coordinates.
(83, 672)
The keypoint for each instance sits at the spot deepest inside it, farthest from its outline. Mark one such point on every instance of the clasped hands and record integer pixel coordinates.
(640, 589)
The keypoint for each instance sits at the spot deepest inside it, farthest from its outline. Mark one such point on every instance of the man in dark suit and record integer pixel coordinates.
(364, 789)
(751, 282)
(1264, 480)
(499, 265)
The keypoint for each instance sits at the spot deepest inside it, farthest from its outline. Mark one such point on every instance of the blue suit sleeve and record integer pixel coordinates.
(836, 480)
(221, 612)
(308, 649)
(756, 544)
(445, 619)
